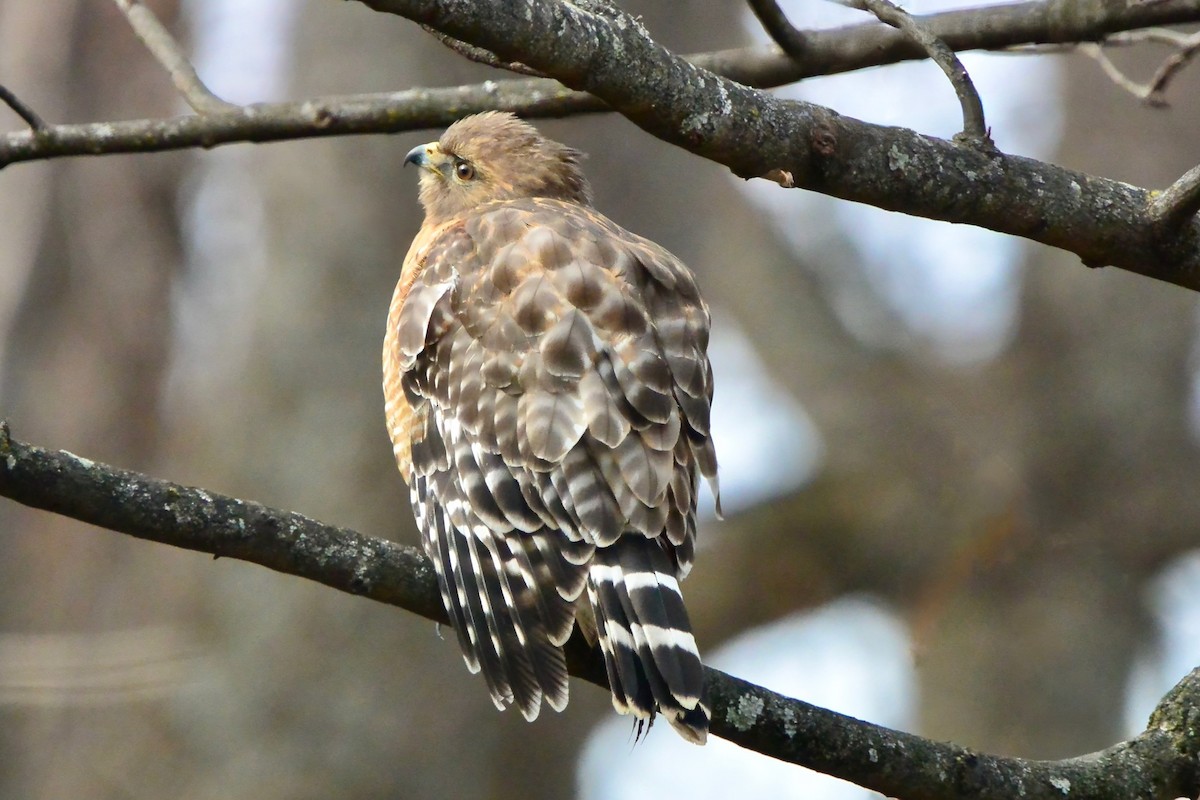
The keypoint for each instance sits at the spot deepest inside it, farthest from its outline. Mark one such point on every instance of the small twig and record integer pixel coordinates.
(162, 46)
(791, 40)
(1178, 203)
(1114, 73)
(974, 126)
(480, 55)
(1166, 36)
(1152, 93)
(1188, 49)
(23, 110)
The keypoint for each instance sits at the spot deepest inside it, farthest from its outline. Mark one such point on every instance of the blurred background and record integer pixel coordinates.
(959, 470)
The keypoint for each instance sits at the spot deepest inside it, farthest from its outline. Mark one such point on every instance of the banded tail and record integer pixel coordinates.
(649, 651)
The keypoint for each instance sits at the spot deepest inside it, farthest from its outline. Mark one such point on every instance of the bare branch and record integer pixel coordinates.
(1167, 36)
(1188, 48)
(1160, 763)
(386, 112)
(790, 39)
(479, 55)
(1178, 203)
(162, 45)
(827, 52)
(994, 27)
(974, 126)
(1114, 73)
(22, 109)
(1103, 221)
(1153, 92)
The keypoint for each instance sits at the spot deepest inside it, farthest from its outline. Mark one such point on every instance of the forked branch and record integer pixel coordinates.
(1153, 92)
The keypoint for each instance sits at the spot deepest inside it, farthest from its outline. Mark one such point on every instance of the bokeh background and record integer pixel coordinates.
(960, 471)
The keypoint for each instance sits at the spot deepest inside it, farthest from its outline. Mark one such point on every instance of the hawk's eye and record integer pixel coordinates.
(464, 171)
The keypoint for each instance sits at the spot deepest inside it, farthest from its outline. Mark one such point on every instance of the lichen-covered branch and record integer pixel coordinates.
(1161, 763)
(826, 52)
(1104, 222)
(479, 55)
(195, 519)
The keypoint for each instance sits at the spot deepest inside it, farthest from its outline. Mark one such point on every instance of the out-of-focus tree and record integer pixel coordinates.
(1012, 510)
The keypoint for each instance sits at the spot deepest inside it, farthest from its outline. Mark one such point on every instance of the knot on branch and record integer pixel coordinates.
(824, 139)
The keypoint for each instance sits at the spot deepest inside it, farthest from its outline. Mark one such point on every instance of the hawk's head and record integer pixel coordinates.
(495, 156)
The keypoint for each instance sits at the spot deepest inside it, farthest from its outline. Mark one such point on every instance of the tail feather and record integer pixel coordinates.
(649, 650)
(621, 662)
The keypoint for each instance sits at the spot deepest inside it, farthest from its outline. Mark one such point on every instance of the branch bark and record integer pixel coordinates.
(1163, 762)
(1103, 221)
(690, 104)
(1179, 202)
(1160, 763)
(826, 52)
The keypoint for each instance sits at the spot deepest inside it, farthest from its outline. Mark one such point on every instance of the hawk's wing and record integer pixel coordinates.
(554, 366)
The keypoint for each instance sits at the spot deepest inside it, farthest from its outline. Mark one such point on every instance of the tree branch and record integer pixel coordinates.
(1160, 763)
(1188, 47)
(386, 112)
(22, 109)
(790, 39)
(1179, 202)
(166, 50)
(1152, 93)
(975, 130)
(479, 55)
(826, 52)
(1104, 222)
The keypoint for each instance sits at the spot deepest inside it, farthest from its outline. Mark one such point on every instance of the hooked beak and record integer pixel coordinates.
(421, 155)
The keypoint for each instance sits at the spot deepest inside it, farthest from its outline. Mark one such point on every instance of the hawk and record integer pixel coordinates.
(547, 393)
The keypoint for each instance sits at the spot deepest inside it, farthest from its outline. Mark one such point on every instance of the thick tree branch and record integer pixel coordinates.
(826, 52)
(1104, 222)
(479, 55)
(1160, 763)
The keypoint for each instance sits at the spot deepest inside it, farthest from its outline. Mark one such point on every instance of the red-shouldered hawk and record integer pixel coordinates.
(547, 393)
